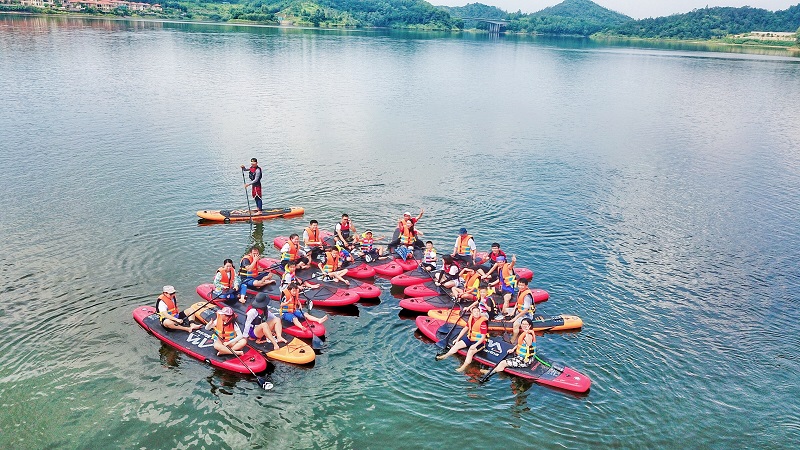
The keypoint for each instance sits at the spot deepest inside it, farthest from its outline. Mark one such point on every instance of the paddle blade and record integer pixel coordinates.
(316, 342)
(266, 385)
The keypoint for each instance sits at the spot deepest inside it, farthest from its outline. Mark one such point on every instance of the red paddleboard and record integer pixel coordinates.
(318, 329)
(198, 344)
(542, 371)
(330, 293)
(425, 304)
(429, 289)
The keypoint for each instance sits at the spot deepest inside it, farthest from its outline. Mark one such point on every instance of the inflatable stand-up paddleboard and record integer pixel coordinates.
(542, 371)
(198, 344)
(239, 215)
(318, 329)
(293, 351)
(541, 323)
(419, 276)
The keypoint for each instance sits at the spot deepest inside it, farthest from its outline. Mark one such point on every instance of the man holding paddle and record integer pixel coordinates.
(255, 182)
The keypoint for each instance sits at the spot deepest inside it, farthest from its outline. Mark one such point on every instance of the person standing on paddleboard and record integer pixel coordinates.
(255, 182)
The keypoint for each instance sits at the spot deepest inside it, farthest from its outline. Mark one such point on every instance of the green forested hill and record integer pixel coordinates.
(714, 22)
(579, 17)
(475, 10)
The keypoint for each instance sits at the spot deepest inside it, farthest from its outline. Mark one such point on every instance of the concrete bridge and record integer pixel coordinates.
(495, 25)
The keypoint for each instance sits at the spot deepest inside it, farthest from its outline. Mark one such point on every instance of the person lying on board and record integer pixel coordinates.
(465, 249)
(525, 308)
(226, 282)
(291, 251)
(429, 258)
(330, 268)
(345, 233)
(252, 275)
(290, 308)
(312, 240)
(369, 251)
(260, 324)
(290, 276)
(506, 281)
(170, 316)
(228, 337)
(472, 337)
(525, 350)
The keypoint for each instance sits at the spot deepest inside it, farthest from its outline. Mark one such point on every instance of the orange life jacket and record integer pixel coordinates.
(507, 276)
(291, 255)
(243, 271)
(472, 282)
(521, 301)
(227, 277)
(524, 350)
(313, 237)
(292, 302)
(171, 302)
(331, 263)
(225, 331)
(474, 333)
(462, 245)
(407, 237)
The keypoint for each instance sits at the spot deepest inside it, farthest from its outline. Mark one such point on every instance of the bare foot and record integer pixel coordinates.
(440, 357)
(347, 282)
(239, 352)
(323, 319)
(484, 371)
(460, 369)
(242, 299)
(261, 341)
(195, 327)
(282, 340)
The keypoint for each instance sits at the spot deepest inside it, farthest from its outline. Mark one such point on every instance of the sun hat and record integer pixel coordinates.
(261, 301)
(226, 311)
(169, 289)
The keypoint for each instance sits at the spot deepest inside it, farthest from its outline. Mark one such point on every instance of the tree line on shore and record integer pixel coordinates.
(570, 17)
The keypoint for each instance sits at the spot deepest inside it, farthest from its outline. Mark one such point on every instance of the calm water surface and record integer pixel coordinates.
(653, 191)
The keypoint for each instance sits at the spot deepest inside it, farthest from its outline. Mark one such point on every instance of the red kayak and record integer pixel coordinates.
(358, 269)
(198, 344)
(356, 288)
(205, 290)
(542, 371)
(429, 289)
(419, 276)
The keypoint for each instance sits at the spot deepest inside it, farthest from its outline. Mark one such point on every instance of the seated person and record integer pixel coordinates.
(226, 282)
(414, 220)
(290, 276)
(228, 337)
(261, 325)
(406, 241)
(428, 262)
(312, 241)
(345, 232)
(369, 251)
(525, 350)
(447, 277)
(291, 251)
(464, 249)
(290, 308)
(525, 308)
(470, 281)
(345, 257)
(252, 275)
(170, 316)
(330, 268)
(493, 255)
(506, 281)
(473, 336)
(486, 304)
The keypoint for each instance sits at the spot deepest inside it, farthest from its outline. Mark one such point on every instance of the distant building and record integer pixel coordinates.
(769, 36)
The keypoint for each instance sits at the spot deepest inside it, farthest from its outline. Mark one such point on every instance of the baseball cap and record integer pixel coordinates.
(462, 231)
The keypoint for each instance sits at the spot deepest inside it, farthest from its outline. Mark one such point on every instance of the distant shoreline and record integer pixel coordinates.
(795, 50)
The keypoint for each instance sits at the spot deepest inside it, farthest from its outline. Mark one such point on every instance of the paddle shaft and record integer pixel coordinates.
(263, 383)
(246, 196)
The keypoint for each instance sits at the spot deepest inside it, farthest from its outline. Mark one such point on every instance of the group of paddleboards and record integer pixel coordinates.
(478, 304)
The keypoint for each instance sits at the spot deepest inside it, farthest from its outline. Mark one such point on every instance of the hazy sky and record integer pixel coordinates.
(638, 9)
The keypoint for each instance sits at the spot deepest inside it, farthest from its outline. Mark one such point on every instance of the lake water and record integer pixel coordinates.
(653, 191)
